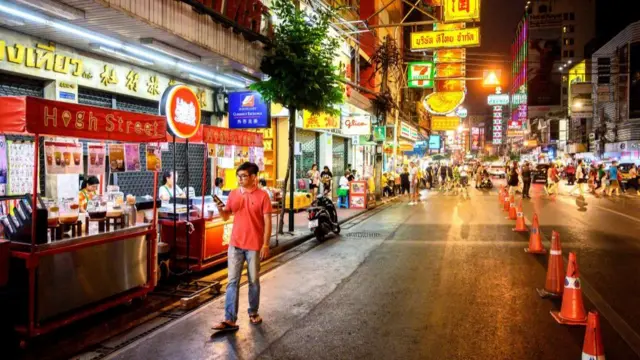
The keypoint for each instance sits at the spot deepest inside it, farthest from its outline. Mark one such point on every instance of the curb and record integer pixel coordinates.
(275, 251)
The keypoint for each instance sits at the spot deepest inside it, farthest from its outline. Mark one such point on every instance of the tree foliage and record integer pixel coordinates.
(299, 63)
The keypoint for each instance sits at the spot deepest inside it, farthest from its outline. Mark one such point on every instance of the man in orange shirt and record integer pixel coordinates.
(250, 236)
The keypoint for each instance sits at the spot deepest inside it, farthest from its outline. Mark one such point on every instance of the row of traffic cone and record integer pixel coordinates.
(572, 311)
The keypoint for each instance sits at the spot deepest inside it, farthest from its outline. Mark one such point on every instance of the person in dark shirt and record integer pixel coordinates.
(526, 180)
(404, 181)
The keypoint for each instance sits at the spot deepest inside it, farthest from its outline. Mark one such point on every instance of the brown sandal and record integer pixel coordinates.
(255, 319)
(225, 326)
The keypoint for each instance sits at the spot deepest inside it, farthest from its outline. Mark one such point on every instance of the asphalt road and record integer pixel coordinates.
(446, 279)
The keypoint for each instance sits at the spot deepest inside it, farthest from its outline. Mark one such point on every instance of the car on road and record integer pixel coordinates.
(624, 171)
(540, 173)
(496, 170)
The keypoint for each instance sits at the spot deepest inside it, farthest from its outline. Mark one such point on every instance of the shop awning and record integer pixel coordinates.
(29, 115)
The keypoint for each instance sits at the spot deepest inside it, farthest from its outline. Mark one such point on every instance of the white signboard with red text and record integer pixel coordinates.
(356, 124)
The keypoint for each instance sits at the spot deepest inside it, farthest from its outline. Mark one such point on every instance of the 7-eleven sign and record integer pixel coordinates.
(420, 74)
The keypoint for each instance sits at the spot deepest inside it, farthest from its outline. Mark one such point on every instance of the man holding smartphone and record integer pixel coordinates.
(250, 237)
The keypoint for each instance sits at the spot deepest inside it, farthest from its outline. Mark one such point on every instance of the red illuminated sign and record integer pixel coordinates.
(181, 107)
(224, 136)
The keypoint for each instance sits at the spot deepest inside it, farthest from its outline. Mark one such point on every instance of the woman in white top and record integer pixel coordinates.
(166, 190)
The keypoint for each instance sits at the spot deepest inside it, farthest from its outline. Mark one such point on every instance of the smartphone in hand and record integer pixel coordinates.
(218, 202)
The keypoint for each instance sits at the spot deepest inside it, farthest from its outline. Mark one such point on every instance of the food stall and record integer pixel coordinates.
(199, 238)
(62, 270)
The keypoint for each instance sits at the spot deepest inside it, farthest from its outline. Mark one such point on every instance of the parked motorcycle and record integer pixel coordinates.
(485, 183)
(323, 218)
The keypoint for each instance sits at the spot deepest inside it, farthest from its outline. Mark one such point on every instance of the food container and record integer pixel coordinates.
(97, 207)
(69, 211)
(53, 214)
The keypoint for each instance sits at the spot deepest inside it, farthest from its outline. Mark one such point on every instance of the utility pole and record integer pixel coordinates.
(378, 154)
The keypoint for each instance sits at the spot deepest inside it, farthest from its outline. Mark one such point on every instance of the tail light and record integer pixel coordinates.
(311, 214)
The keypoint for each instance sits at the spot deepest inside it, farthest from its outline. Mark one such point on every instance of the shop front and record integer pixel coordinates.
(36, 67)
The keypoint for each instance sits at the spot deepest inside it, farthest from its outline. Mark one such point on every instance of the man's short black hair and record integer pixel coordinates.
(249, 167)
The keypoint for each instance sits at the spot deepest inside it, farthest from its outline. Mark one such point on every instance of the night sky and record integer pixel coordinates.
(498, 21)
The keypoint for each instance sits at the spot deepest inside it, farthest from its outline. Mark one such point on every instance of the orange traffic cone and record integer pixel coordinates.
(501, 196)
(554, 285)
(535, 242)
(572, 311)
(592, 348)
(513, 214)
(506, 203)
(520, 224)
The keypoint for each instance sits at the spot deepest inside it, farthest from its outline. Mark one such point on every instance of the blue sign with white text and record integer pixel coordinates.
(434, 142)
(247, 110)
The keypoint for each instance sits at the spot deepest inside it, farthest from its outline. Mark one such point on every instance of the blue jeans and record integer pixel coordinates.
(235, 260)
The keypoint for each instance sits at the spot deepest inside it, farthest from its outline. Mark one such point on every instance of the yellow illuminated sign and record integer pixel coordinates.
(445, 39)
(320, 121)
(461, 10)
(444, 123)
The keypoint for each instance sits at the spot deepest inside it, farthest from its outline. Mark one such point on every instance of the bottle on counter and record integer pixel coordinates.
(131, 211)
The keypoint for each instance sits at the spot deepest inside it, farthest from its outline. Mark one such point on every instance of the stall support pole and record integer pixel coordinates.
(187, 227)
(29, 262)
(204, 178)
(292, 149)
(175, 212)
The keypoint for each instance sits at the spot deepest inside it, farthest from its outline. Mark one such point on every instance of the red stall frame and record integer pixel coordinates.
(40, 117)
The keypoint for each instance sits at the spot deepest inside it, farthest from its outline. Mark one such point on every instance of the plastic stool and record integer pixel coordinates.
(343, 202)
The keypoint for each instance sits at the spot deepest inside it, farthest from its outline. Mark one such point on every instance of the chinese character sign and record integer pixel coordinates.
(444, 123)
(461, 10)
(320, 121)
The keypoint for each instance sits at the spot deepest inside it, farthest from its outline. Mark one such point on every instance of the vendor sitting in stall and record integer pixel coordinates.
(88, 189)
(166, 190)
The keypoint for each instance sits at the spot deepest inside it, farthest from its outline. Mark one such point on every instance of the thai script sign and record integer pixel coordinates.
(445, 39)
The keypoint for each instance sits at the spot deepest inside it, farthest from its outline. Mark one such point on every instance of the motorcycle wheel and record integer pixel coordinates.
(319, 235)
(337, 229)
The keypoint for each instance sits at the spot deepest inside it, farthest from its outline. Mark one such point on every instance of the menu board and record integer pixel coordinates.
(3, 166)
(96, 158)
(132, 157)
(154, 157)
(116, 158)
(358, 195)
(20, 159)
(63, 157)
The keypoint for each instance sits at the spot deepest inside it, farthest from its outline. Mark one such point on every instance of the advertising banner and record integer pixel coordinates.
(96, 158)
(116, 158)
(247, 110)
(42, 59)
(444, 123)
(224, 136)
(380, 133)
(544, 79)
(63, 157)
(320, 121)
(428, 40)
(445, 70)
(449, 56)
(65, 119)
(420, 74)
(132, 157)
(153, 157)
(356, 124)
(461, 10)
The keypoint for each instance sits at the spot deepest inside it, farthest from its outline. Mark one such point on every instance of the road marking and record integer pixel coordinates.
(605, 209)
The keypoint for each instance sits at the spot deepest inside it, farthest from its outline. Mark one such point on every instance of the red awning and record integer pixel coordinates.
(48, 117)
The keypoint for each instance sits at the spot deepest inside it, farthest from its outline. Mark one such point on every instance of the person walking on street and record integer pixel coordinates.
(601, 175)
(526, 180)
(571, 174)
(249, 243)
(413, 184)
(593, 178)
(552, 180)
(405, 182)
(581, 177)
(513, 178)
(614, 184)
(633, 179)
